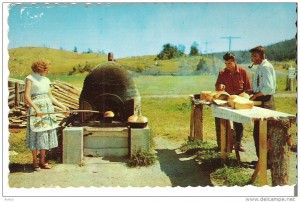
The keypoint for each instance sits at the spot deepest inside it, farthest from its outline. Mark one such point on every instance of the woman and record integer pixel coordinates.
(41, 128)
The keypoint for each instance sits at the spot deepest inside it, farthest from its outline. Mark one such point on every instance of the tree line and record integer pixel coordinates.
(281, 51)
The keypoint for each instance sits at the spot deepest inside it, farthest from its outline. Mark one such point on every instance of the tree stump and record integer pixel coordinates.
(278, 156)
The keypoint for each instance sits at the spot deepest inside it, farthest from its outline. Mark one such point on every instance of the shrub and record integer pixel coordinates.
(142, 158)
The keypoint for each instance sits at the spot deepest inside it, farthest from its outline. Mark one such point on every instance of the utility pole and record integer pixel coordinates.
(206, 43)
(229, 39)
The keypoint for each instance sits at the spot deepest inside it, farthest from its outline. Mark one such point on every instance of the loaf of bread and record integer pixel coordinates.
(109, 114)
(243, 103)
(230, 100)
(244, 95)
(221, 95)
(210, 96)
(137, 119)
(133, 118)
(142, 119)
(206, 95)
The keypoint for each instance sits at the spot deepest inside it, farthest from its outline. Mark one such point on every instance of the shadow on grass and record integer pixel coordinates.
(16, 167)
(184, 171)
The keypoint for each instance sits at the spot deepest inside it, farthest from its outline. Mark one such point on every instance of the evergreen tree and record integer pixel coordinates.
(202, 67)
(194, 51)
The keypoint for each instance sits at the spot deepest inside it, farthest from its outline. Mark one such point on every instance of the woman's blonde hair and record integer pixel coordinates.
(40, 65)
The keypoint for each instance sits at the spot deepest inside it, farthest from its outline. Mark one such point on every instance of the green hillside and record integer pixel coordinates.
(63, 62)
(20, 59)
(279, 52)
(282, 55)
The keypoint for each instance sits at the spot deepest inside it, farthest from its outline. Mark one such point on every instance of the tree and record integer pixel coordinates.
(202, 67)
(194, 51)
(89, 50)
(75, 49)
(169, 51)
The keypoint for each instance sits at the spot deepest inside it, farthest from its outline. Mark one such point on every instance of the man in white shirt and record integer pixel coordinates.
(264, 85)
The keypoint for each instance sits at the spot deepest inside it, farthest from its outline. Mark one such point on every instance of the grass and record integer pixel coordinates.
(142, 158)
(209, 159)
(168, 117)
(174, 85)
(17, 144)
(232, 176)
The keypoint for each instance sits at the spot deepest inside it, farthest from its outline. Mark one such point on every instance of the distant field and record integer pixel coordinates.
(155, 85)
(168, 85)
(174, 85)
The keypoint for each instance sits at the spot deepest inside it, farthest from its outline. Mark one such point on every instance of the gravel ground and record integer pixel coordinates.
(172, 169)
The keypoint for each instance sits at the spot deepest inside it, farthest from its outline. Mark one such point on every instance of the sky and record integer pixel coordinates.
(137, 29)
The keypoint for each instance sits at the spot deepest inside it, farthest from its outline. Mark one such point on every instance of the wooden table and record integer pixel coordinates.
(248, 116)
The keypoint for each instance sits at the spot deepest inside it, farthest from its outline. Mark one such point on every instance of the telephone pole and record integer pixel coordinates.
(206, 43)
(229, 39)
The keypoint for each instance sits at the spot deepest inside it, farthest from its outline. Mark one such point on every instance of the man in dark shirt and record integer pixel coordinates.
(234, 80)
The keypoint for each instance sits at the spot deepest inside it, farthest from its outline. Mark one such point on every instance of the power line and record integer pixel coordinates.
(229, 39)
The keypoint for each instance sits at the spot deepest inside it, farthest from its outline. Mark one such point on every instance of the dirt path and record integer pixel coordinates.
(172, 169)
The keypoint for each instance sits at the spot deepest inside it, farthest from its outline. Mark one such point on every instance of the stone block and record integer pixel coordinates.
(72, 145)
(140, 139)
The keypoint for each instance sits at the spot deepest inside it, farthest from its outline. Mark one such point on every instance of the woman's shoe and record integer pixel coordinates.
(36, 167)
(45, 166)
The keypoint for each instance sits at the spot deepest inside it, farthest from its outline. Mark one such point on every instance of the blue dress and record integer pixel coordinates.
(41, 131)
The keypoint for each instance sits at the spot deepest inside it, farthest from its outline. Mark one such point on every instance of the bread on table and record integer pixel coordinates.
(230, 100)
(221, 95)
(206, 95)
(244, 95)
(210, 96)
(243, 103)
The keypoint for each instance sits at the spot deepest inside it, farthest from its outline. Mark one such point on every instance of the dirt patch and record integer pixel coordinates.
(173, 168)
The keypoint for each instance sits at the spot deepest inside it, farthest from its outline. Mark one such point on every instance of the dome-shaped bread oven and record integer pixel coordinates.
(109, 87)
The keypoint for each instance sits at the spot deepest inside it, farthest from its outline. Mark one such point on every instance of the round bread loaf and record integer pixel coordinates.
(109, 114)
(205, 95)
(142, 119)
(133, 118)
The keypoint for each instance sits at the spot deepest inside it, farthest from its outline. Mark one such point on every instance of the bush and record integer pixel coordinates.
(142, 158)
(169, 51)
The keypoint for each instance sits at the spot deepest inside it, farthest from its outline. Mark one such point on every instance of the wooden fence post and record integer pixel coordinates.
(17, 95)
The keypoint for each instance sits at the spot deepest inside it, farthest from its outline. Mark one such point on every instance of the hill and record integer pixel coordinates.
(283, 55)
(63, 62)
(279, 52)
(20, 60)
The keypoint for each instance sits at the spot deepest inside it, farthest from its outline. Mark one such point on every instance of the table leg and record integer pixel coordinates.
(192, 123)
(223, 140)
(198, 116)
(263, 153)
(229, 136)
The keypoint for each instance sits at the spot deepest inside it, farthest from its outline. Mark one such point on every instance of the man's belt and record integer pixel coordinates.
(264, 98)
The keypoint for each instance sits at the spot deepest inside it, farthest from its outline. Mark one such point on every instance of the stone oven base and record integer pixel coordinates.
(104, 142)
